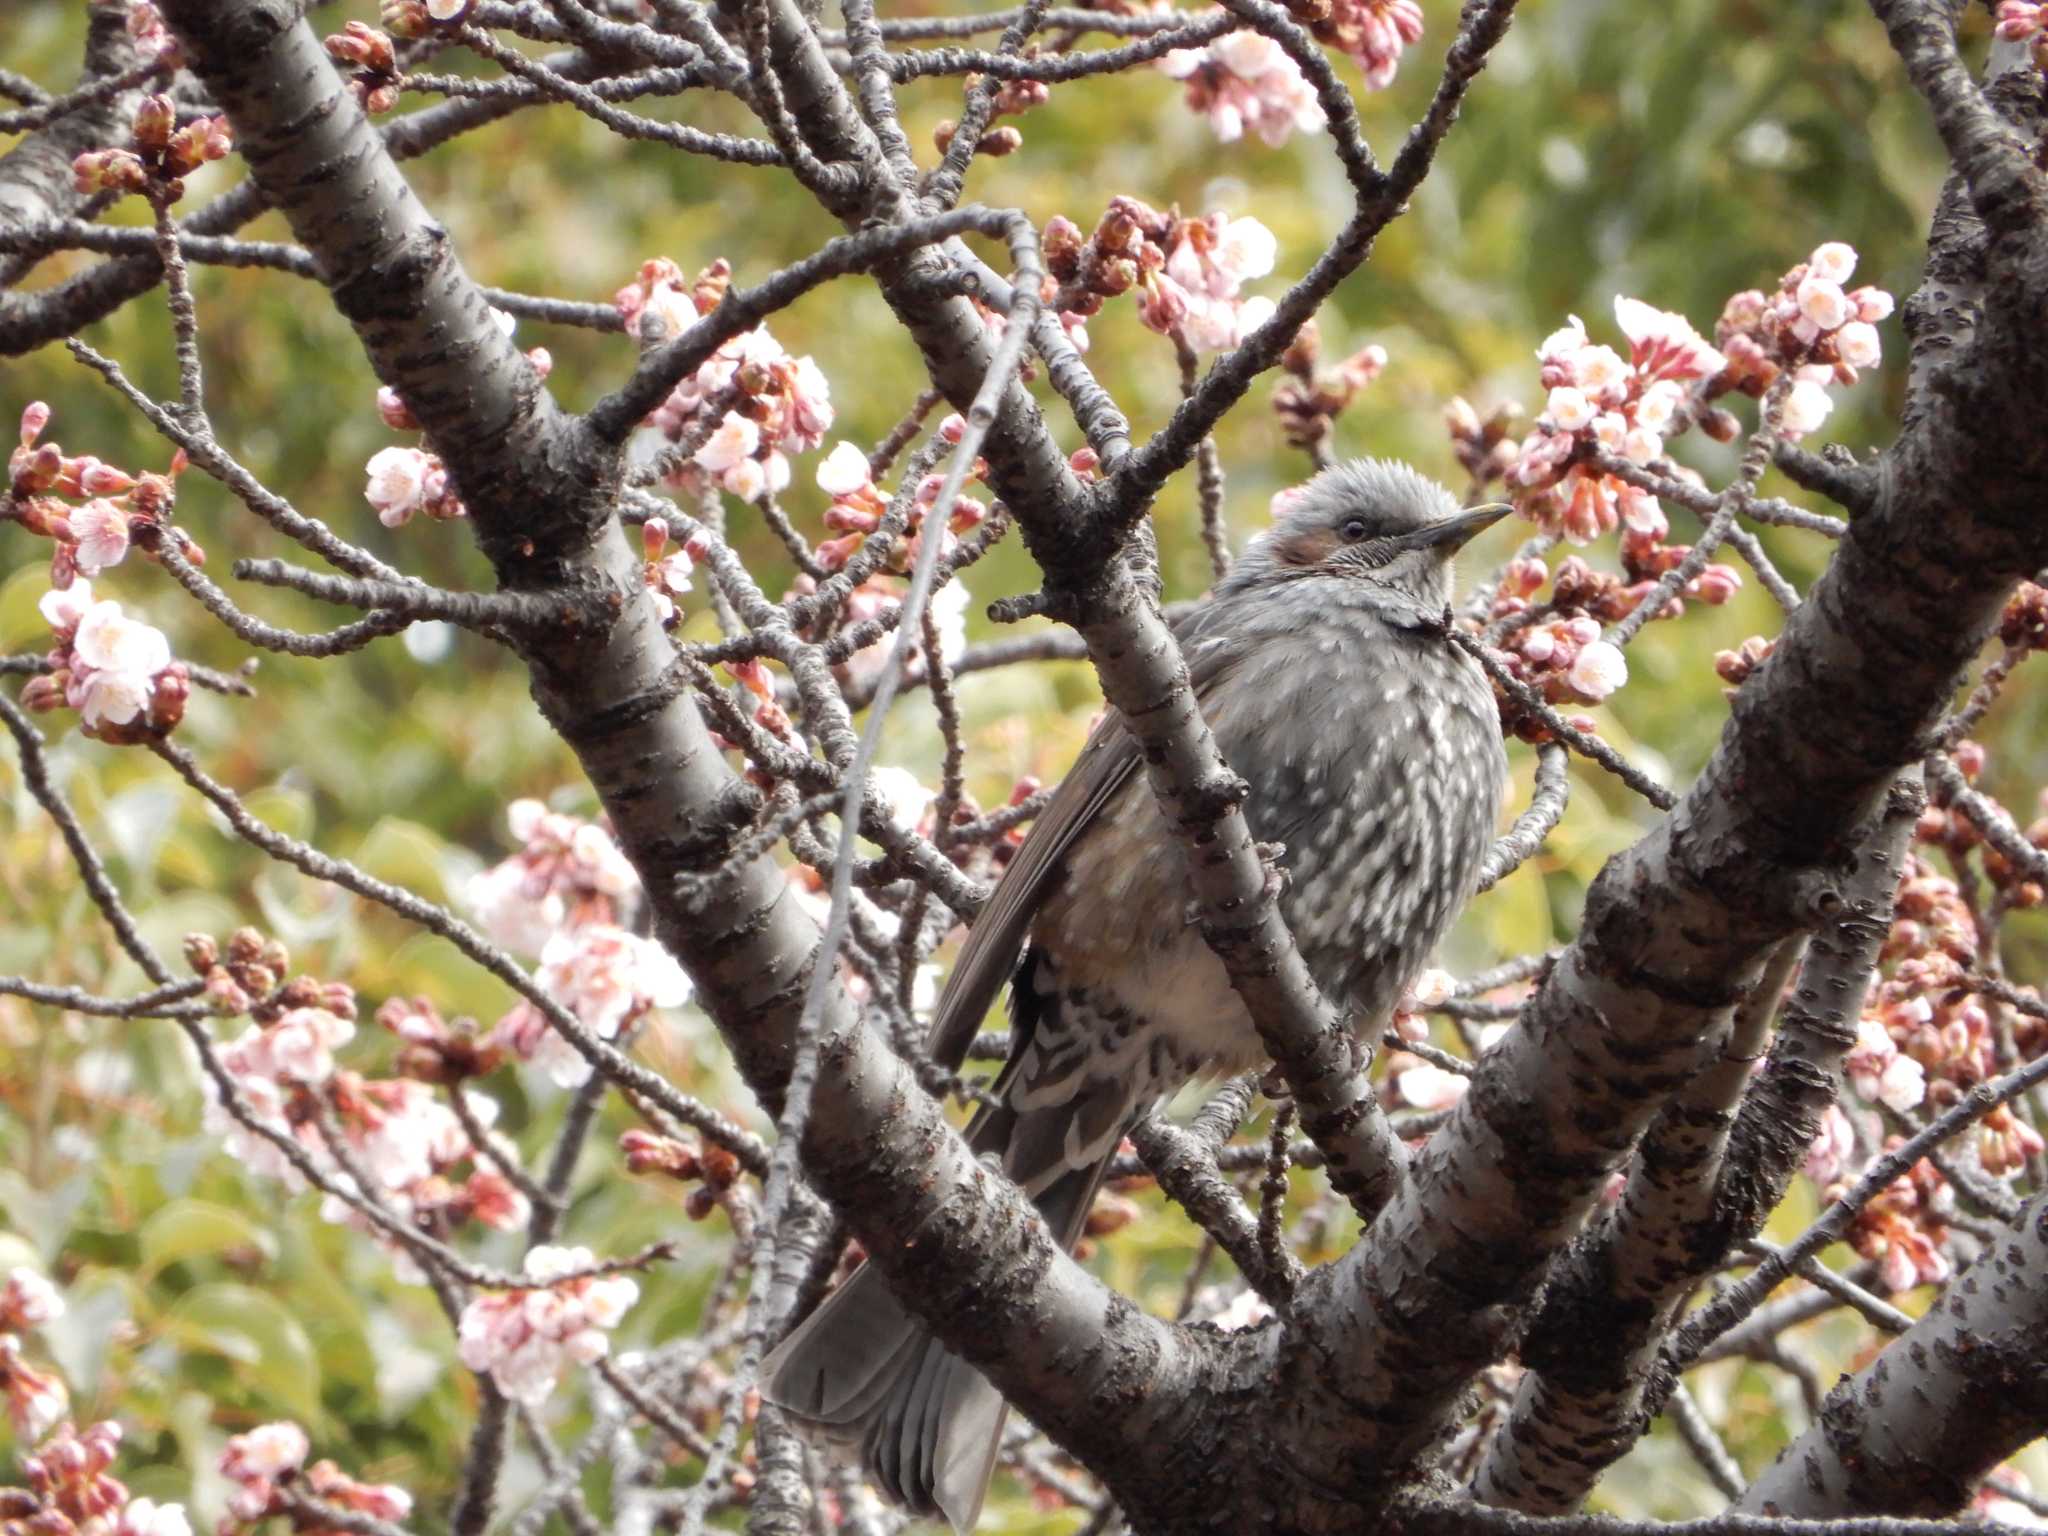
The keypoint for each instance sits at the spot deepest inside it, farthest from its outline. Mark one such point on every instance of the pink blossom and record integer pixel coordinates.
(1833, 261)
(568, 871)
(1428, 1087)
(1197, 293)
(1833, 1146)
(524, 1338)
(397, 485)
(605, 976)
(115, 664)
(28, 1301)
(1246, 80)
(1806, 406)
(268, 1451)
(146, 1517)
(1247, 1309)
(36, 1399)
(878, 596)
(1599, 670)
(100, 530)
(732, 444)
(1568, 409)
(1880, 1072)
(1664, 345)
(1856, 344)
(1822, 303)
(844, 471)
(904, 793)
(1375, 33)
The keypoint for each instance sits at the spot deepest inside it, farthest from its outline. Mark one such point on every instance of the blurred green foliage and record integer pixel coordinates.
(1677, 154)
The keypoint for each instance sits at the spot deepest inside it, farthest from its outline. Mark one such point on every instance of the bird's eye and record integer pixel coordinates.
(1353, 529)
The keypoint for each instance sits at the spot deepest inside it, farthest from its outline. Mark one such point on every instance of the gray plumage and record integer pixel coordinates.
(1373, 752)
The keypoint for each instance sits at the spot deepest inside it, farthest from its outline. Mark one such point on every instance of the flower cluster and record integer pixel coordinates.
(373, 79)
(1013, 98)
(2024, 21)
(561, 897)
(1245, 80)
(1374, 32)
(1598, 401)
(159, 154)
(1958, 836)
(117, 672)
(1188, 272)
(271, 1459)
(1810, 325)
(879, 598)
(523, 1338)
(1196, 294)
(71, 1492)
(1904, 1227)
(114, 508)
(665, 572)
(1484, 447)
(748, 406)
(396, 1131)
(404, 482)
(858, 505)
(1555, 644)
(36, 1399)
(717, 1169)
(152, 38)
(1311, 398)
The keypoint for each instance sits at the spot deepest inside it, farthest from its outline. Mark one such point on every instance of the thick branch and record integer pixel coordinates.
(1913, 1431)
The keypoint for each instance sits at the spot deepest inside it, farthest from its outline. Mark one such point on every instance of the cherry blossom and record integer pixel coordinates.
(68, 1477)
(1197, 293)
(1600, 401)
(405, 481)
(1374, 32)
(1880, 1073)
(1598, 671)
(605, 976)
(117, 672)
(747, 407)
(28, 1301)
(1812, 325)
(568, 871)
(269, 1451)
(1245, 80)
(100, 528)
(116, 510)
(1430, 1087)
(36, 1399)
(146, 1517)
(880, 595)
(524, 1338)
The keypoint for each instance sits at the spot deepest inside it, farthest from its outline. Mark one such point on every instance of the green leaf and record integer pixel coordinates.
(265, 1343)
(186, 1229)
(406, 854)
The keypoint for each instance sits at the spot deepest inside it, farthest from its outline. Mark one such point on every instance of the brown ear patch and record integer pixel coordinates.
(1310, 547)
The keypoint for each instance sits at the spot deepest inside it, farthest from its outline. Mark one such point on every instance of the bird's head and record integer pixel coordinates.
(1371, 520)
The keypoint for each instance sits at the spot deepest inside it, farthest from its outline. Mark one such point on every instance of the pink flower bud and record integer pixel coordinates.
(156, 119)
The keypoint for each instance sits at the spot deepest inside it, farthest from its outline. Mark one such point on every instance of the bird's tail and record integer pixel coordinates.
(865, 1374)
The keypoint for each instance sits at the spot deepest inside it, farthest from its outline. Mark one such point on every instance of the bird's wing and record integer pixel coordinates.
(993, 944)
(997, 937)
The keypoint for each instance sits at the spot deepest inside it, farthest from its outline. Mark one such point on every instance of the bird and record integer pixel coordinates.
(1371, 747)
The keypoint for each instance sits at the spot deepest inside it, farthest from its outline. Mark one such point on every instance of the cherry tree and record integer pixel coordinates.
(1448, 1267)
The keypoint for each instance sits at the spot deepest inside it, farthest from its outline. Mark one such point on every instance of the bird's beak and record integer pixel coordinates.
(1453, 533)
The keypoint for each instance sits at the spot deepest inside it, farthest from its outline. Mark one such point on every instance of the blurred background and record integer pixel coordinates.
(1677, 155)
